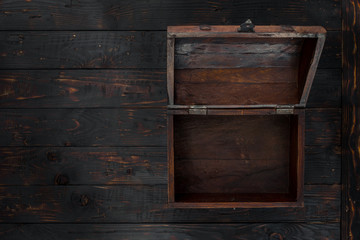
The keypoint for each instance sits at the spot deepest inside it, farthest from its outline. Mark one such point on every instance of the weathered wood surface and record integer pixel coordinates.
(312, 231)
(145, 203)
(105, 49)
(157, 15)
(124, 88)
(123, 127)
(83, 127)
(351, 121)
(82, 88)
(82, 166)
(104, 165)
(236, 94)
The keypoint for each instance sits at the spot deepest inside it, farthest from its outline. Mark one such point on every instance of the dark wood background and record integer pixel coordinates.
(83, 122)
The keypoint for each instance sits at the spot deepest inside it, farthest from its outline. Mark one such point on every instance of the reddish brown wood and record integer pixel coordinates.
(245, 145)
(237, 159)
(245, 63)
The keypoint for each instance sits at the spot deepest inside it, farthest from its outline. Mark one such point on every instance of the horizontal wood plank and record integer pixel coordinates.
(82, 88)
(125, 88)
(105, 49)
(83, 127)
(157, 15)
(123, 127)
(82, 49)
(140, 203)
(103, 165)
(236, 94)
(82, 166)
(311, 231)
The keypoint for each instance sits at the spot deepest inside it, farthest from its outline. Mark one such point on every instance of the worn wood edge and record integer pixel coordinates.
(312, 69)
(170, 155)
(199, 231)
(235, 205)
(170, 69)
(298, 30)
(350, 224)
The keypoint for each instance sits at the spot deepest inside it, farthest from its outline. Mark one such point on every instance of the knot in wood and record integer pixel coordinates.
(61, 179)
(276, 236)
(84, 200)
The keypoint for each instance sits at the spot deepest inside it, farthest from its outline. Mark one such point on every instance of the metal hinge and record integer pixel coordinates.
(198, 110)
(285, 109)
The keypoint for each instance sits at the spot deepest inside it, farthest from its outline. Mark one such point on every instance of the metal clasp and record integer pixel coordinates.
(285, 109)
(198, 110)
(247, 26)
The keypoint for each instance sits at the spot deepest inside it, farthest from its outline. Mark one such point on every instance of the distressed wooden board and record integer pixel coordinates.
(311, 231)
(236, 94)
(105, 49)
(125, 88)
(350, 228)
(157, 15)
(82, 88)
(123, 127)
(79, 166)
(143, 203)
(83, 127)
(236, 75)
(82, 49)
(99, 165)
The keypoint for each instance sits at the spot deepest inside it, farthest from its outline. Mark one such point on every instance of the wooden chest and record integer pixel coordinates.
(236, 113)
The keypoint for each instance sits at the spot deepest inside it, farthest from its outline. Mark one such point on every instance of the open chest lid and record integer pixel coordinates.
(242, 66)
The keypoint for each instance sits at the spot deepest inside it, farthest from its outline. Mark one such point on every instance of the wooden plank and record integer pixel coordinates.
(157, 15)
(82, 88)
(79, 166)
(123, 127)
(236, 94)
(143, 203)
(236, 75)
(83, 127)
(138, 87)
(350, 227)
(279, 60)
(99, 165)
(236, 46)
(82, 49)
(311, 231)
(105, 49)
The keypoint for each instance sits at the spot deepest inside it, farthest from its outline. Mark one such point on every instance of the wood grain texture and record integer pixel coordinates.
(103, 165)
(157, 15)
(82, 88)
(350, 229)
(236, 94)
(128, 88)
(83, 127)
(144, 203)
(123, 127)
(105, 49)
(82, 49)
(82, 166)
(312, 231)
